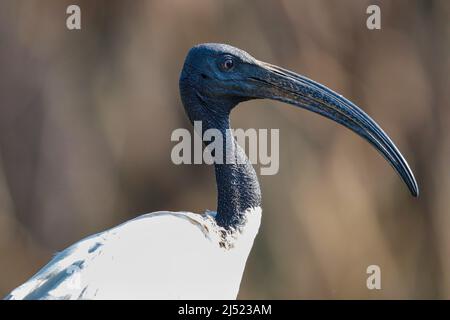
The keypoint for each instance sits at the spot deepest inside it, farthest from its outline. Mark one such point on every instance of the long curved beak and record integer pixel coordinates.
(273, 82)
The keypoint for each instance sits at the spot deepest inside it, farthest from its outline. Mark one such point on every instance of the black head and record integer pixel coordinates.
(217, 74)
(216, 77)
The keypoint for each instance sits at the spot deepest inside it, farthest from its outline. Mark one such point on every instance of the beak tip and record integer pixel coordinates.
(414, 188)
(415, 192)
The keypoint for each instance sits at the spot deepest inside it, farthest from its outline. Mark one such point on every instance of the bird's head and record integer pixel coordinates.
(219, 76)
(219, 72)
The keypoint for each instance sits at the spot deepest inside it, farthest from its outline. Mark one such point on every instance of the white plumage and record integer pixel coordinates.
(160, 255)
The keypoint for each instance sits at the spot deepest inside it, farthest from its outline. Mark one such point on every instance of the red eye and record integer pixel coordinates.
(228, 64)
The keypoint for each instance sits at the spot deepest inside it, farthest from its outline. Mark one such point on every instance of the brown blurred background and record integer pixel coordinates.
(86, 118)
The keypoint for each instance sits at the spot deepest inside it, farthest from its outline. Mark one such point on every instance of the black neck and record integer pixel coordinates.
(237, 184)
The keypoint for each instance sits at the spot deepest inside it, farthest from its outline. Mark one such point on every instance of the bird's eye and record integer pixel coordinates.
(227, 64)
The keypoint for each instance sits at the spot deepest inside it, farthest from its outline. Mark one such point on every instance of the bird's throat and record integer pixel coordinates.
(237, 183)
(237, 187)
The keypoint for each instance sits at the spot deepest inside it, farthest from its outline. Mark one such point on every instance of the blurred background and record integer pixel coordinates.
(86, 118)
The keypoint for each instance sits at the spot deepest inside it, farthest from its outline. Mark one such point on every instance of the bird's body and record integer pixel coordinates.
(183, 255)
(160, 255)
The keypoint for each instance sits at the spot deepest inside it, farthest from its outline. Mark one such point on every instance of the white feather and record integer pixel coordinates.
(160, 255)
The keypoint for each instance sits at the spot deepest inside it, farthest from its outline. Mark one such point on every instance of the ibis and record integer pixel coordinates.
(185, 255)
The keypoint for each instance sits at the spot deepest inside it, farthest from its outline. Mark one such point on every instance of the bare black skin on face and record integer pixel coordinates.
(217, 77)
